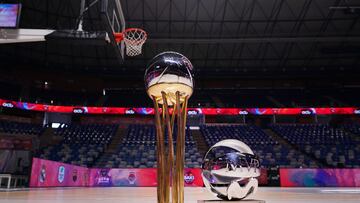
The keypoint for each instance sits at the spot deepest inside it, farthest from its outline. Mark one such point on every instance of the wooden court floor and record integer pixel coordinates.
(147, 195)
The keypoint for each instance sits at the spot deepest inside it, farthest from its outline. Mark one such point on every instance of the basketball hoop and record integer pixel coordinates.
(134, 38)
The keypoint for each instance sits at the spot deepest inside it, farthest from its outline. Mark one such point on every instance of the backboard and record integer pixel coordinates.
(113, 18)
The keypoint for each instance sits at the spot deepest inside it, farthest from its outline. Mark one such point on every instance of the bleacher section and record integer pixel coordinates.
(271, 152)
(292, 145)
(329, 145)
(353, 128)
(81, 144)
(138, 149)
(17, 128)
(77, 154)
(87, 134)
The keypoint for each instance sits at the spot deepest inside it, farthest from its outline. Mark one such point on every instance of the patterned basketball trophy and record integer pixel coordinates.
(169, 83)
(230, 171)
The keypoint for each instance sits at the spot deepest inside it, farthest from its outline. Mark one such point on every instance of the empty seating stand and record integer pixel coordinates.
(18, 128)
(138, 150)
(333, 146)
(86, 144)
(270, 152)
(81, 145)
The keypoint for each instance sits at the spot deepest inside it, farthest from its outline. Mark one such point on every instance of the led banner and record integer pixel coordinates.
(191, 111)
(45, 173)
(320, 177)
(122, 177)
(263, 178)
(144, 177)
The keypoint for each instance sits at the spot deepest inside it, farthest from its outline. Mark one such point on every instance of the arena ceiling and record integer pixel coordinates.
(221, 37)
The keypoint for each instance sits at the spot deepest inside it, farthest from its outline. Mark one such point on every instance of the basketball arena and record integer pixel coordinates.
(186, 101)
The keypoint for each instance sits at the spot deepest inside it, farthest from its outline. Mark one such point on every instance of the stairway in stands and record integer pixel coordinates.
(113, 146)
(200, 142)
(282, 141)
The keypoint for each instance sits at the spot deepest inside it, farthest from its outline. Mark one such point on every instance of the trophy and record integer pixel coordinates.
(169, 83)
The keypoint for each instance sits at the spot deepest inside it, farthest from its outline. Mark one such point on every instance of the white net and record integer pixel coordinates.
(134, 39)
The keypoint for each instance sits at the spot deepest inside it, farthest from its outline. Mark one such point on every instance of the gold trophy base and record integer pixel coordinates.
(170, 159)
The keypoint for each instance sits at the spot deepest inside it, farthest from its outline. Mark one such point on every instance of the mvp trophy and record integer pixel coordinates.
(169, 83)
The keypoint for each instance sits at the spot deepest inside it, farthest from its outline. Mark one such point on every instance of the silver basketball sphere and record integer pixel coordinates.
(169, 72)
(230, 170)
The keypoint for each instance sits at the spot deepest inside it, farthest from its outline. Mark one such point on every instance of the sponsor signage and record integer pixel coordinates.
(191, 111)
(7, 105)
(316, 177)
(78, 110)
(61, 174)
(130, 111)
(306, 112)
(243, 112)
(45, 173)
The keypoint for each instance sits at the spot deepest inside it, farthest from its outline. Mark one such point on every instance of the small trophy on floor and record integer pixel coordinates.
(230, 171)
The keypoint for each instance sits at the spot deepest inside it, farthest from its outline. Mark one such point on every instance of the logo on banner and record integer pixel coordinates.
(189, 177)
(74, 175)
(78, 110)
(132, 178)
(130, 111)
(103, 178)
(42, 176)
(193, 112)
(8, 105)
(243, 112)
(61, 174)
(306, 112)
(86, 177)
(357, 111)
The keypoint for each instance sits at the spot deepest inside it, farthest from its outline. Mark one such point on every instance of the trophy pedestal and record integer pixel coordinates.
(239, 201)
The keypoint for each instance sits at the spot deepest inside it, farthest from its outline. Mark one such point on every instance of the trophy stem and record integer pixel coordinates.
(169, 164)
(170, 169)
(159, 156)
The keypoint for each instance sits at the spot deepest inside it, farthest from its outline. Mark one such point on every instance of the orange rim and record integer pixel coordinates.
(119, 36)
(136, 29)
